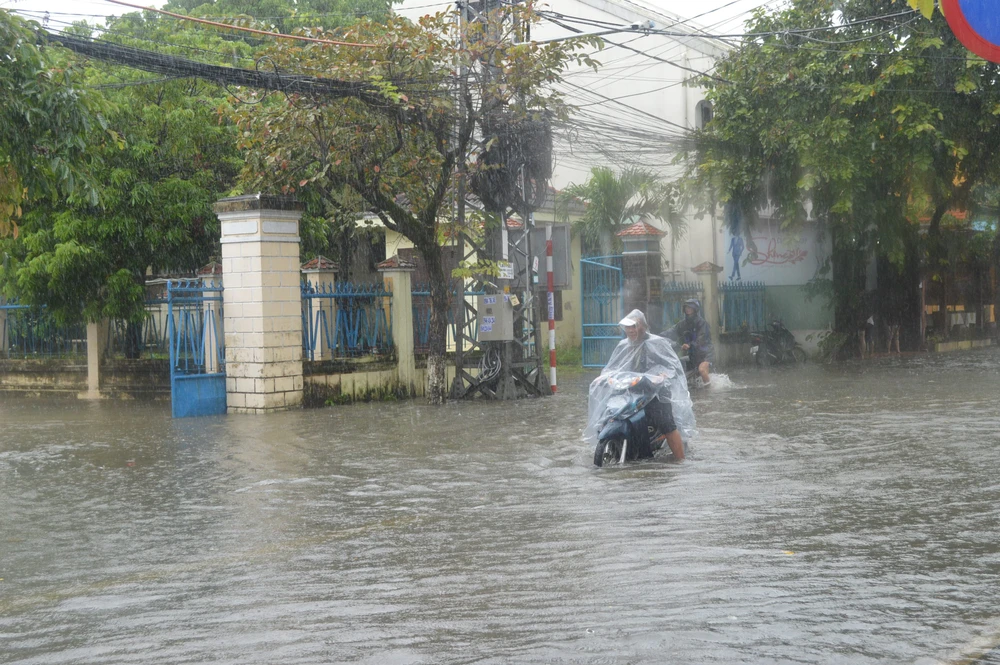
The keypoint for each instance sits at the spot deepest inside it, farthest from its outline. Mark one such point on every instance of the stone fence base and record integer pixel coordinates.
(964, 345)
(67, 377)
(326, 384)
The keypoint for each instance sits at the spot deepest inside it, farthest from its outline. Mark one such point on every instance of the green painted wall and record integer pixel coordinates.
(789, 304)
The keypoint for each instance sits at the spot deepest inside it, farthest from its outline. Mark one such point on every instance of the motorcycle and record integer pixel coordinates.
(626, 433)
(775, 345)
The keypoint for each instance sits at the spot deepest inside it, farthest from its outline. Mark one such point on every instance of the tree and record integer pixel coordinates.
(44, 117)
(615, 200)
(284, 15)
(400, 156)
(876, 123)
(169, 156)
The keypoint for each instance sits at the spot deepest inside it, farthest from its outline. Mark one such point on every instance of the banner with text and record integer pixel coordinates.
(783, 258)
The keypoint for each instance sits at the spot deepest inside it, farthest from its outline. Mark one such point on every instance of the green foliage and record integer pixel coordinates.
(616, 200)
(44, 119)
(396, 153)
(568, 359)
(877, 125)
(283, 16)
(163, 157)
(832, 345)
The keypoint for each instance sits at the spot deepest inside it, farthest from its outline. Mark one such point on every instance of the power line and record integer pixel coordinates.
(629, 48)
(722, 37)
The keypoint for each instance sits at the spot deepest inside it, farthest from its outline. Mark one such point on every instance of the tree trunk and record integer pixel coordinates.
(936, 256)
(848, 289)
(437, 378)
(607, 243)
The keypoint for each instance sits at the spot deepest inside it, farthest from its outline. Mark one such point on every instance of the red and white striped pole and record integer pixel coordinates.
(552, 306)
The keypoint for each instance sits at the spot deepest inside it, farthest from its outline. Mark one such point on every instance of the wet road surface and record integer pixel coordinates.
(846, 514)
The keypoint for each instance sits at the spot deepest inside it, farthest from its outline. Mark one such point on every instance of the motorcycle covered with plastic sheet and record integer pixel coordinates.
(617, 423)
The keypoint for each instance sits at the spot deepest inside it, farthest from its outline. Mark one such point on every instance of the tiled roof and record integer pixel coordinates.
(320, 263)
(394, 262)
(641, 229)
(213, 268)
(707, 266)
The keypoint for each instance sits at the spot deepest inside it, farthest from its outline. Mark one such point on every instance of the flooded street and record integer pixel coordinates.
(827, 514)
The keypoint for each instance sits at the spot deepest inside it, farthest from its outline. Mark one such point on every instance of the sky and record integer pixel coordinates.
(67, 11)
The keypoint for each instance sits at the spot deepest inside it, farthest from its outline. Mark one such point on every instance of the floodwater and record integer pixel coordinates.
(846, 514)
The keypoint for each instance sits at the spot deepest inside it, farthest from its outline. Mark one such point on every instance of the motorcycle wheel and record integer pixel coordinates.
(607, 452)
(798, 354)
(763, 358)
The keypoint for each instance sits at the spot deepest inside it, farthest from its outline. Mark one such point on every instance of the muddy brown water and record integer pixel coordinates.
(846, 514)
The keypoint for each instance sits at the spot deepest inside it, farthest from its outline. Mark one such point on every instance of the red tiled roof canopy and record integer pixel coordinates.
(320, 263)
(213, 268)
(394, 262)
(514, 223)
(707, 266)
(641, 229)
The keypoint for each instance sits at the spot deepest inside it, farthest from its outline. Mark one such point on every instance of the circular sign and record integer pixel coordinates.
(976, 23)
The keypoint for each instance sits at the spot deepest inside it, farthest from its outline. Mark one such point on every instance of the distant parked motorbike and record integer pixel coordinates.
(626, 434)
(775, 345)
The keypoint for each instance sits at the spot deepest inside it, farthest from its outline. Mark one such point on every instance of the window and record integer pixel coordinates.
(702, 114)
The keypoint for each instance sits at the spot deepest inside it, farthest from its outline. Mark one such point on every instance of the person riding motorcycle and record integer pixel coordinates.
(695, 336)
(644, 353)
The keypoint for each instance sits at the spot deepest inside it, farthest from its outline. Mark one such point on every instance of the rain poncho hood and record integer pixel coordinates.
(652, 355)
(693, 330)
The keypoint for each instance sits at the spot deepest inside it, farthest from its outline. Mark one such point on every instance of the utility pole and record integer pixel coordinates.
(509, 368)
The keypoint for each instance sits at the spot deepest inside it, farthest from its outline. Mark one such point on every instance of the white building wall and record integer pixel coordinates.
(643, 97)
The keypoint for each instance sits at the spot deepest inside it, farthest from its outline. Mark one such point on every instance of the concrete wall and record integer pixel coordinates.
(797, 312)
(129, 379)
(55, 376)
(364, 384)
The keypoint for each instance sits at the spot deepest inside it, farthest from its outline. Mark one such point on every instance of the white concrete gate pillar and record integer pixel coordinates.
(711, 304)
(262, 301)
(396, 275)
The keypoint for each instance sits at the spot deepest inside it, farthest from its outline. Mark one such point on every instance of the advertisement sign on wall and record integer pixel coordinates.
(783, 258)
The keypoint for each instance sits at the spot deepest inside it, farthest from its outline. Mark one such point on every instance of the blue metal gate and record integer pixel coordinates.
(603, 305)
(197, 351)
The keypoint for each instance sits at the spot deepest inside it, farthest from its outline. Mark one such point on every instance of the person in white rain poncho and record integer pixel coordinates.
(644, 353)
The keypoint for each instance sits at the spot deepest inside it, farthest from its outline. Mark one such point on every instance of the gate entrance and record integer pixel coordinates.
(602, 307)
(197, 348)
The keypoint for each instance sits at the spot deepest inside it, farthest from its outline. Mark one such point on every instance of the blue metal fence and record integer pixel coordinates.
(743, 304)
(197, 348)
(602, 307)
(31, 332)
(147, 338)
(345, 320)
(674, 295)
(194, 324)
(421, 300)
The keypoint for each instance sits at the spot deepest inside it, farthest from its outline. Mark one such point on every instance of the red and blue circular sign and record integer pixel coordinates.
(976, 23)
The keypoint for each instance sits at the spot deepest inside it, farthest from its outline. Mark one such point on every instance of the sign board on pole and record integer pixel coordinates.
(976, 23)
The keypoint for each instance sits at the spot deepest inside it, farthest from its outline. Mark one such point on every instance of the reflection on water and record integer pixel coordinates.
(844, 514)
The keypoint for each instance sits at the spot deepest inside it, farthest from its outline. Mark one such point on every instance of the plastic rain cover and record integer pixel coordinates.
(655, 357)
